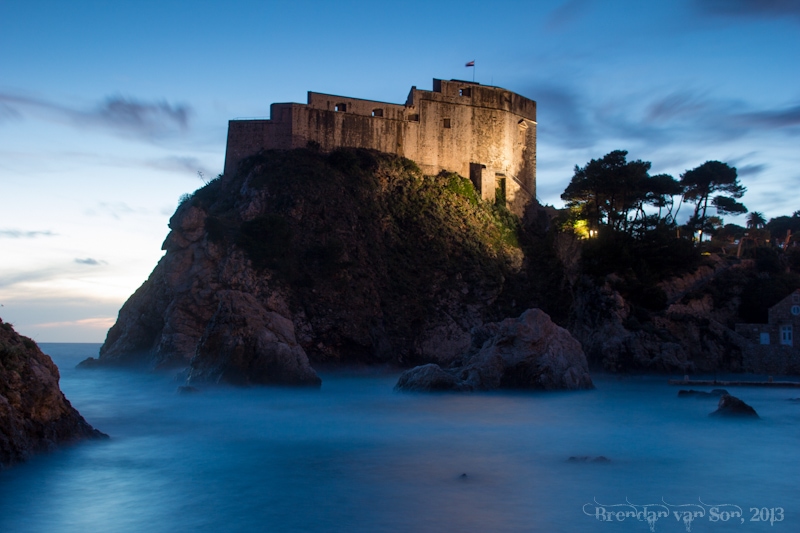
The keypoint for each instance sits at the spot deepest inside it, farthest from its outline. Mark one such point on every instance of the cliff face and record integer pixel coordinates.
(303, 257)
(34, 414)
(693, 333)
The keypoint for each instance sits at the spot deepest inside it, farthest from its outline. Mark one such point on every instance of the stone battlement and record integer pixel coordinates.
(485, 133)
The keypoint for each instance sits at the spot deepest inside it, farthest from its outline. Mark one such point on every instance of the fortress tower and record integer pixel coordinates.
(485, 133)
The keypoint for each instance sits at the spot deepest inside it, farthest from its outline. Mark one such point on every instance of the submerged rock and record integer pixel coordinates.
(731, 406)
(715, 393)
(34, 414)
(528, 352)
(588, 459)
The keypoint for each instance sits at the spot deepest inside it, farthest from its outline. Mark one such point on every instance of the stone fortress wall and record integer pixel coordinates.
(485, 133)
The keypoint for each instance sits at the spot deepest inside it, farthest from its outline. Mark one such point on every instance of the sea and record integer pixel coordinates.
(357, 456)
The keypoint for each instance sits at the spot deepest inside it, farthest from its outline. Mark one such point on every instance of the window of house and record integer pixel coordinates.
(786, 335)
(377, 112)
(764, 337)
(340, 107)
(796, 310)
(465, 92)
(446, 123)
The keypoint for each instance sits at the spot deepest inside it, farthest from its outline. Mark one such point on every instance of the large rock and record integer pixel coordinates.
(34, 414)
(245, 344)
(528, 352)
(732, 407)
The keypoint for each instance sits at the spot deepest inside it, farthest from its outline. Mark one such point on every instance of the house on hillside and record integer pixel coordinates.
(773, 346)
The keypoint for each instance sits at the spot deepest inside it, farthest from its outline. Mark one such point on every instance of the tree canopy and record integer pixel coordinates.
(613, 192)
(713, 182)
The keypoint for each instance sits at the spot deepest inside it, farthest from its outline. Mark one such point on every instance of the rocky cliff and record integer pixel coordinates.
(303, 257)
(694, 332)
(34, 414)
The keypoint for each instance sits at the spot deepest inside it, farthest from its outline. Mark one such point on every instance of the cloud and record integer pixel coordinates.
(751, 170)
(181, 164)
(124, 116)
(43, 274)
(750, 8)
(564, 115)
(90, 261)
(115, 210)
(687, 116)
(773, 119)
(98, 322)
(18, 234)
(565, 14)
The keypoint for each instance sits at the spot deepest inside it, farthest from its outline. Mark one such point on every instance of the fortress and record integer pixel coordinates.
(485, 133)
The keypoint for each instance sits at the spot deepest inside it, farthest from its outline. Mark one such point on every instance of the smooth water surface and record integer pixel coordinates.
(355, 456)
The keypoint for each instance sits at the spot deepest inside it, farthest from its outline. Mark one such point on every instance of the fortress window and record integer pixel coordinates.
(377, 112)
(465, 92)
(446, 123)
(413, 118)
(340, 107)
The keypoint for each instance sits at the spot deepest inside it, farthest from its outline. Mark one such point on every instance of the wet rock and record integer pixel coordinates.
(528, 352)
(715, 393)
(427, 378)
(731, 406)
(34, 414)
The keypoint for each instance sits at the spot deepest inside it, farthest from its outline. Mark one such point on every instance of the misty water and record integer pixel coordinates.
(355, 456)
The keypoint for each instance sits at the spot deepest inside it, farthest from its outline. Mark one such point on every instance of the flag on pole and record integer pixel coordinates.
(470, 64)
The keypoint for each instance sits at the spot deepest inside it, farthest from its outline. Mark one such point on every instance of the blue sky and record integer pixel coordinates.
(108, 110)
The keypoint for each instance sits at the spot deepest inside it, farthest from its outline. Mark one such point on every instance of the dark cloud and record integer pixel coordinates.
(181, 164)
(563, 116)
(574, 119)
(751, 170)
(124, 116)
(772, 119)
(90, 261)
(678, 104)
(19, 234)
(750, 8)
(565, 14)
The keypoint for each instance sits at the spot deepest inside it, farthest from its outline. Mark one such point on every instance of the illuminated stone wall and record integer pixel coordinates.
(485, 133)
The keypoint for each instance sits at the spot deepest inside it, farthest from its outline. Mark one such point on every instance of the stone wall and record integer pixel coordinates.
(485, 133)
(771, 359)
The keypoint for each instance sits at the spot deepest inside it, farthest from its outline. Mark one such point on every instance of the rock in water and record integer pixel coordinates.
(716, 393)
(528, 352)
(731, 406)
(427, 378)
(245, 344)
(34, 414)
